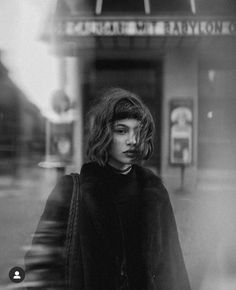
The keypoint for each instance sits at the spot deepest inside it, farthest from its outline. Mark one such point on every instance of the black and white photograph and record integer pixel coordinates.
(117, 144)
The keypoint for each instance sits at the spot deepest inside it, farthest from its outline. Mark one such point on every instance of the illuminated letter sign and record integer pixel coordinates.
(147, 27)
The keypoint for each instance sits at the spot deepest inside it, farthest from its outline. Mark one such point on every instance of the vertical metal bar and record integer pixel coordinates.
(147, 6)
(193, 6)
(99, 4)
(48, 138)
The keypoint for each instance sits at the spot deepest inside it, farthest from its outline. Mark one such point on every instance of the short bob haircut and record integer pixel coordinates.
(117, 104)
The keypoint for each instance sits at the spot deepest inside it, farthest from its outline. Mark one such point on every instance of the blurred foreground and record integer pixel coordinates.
(205, 216)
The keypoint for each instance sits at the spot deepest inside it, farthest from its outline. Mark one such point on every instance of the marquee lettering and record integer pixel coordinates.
(145, 28)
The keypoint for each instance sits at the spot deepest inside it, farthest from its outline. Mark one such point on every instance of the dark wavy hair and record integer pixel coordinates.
(117, 104)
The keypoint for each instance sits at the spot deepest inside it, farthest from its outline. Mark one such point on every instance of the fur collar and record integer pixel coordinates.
(92, 178)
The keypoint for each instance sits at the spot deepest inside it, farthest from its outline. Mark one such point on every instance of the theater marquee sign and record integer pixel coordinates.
(98, 27)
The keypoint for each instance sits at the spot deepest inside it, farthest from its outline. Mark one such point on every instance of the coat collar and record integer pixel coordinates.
(92, 175)
(99, 202)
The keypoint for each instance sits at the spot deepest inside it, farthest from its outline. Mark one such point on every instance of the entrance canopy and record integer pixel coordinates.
(112, 24)
(76, 18)
(147, 7)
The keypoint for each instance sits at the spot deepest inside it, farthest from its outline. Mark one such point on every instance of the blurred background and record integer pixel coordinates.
(56, 57)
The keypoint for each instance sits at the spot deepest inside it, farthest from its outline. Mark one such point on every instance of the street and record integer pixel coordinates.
(205, 217)
(21, 204)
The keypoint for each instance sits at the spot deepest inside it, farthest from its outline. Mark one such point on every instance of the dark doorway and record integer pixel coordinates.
(141, 77)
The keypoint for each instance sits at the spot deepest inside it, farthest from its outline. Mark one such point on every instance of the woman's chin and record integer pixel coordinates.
(120, 164)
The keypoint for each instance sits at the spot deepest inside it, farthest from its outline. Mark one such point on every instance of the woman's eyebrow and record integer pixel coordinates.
(122, 125)
(125, 126)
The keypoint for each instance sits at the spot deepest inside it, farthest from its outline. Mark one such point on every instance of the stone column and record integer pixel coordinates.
(74, 67)
(180, 81)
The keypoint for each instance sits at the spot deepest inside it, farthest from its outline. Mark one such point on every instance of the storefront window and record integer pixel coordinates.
(217, 103)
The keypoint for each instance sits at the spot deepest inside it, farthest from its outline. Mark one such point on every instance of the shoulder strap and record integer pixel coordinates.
(72, 230)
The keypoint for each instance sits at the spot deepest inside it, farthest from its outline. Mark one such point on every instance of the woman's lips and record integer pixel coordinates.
(130, 153)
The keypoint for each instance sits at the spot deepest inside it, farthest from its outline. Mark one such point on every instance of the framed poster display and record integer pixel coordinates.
(181, 132)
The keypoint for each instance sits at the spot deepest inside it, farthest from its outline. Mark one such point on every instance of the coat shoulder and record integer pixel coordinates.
(90, 171)
(152, 182)
(63, 190)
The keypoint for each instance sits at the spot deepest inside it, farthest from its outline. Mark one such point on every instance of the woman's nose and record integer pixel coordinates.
(131, 139)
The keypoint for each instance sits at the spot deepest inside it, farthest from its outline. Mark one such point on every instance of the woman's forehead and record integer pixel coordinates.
(129, 122)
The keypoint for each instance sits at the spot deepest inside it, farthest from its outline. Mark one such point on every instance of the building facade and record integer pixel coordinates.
(22, 132)
(179, 56)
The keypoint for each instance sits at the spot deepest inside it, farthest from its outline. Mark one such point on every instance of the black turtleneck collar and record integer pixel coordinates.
(119, 171)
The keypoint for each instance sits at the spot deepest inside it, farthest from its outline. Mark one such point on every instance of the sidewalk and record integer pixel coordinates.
(22, 199)
(205, 217)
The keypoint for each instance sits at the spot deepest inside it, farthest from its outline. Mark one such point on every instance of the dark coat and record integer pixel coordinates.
(93, 263)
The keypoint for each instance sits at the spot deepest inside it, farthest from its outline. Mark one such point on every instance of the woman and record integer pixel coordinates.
(118, 231)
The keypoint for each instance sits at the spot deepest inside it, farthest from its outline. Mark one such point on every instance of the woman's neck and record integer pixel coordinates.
(124, 171)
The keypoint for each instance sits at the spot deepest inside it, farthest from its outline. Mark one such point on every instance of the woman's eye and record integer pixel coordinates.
(120, 131)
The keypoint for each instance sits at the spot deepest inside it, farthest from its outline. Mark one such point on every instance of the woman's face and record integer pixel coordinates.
(123, 151)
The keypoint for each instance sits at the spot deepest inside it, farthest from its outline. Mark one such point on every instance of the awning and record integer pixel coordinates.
(147, 7)
(146, 23)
